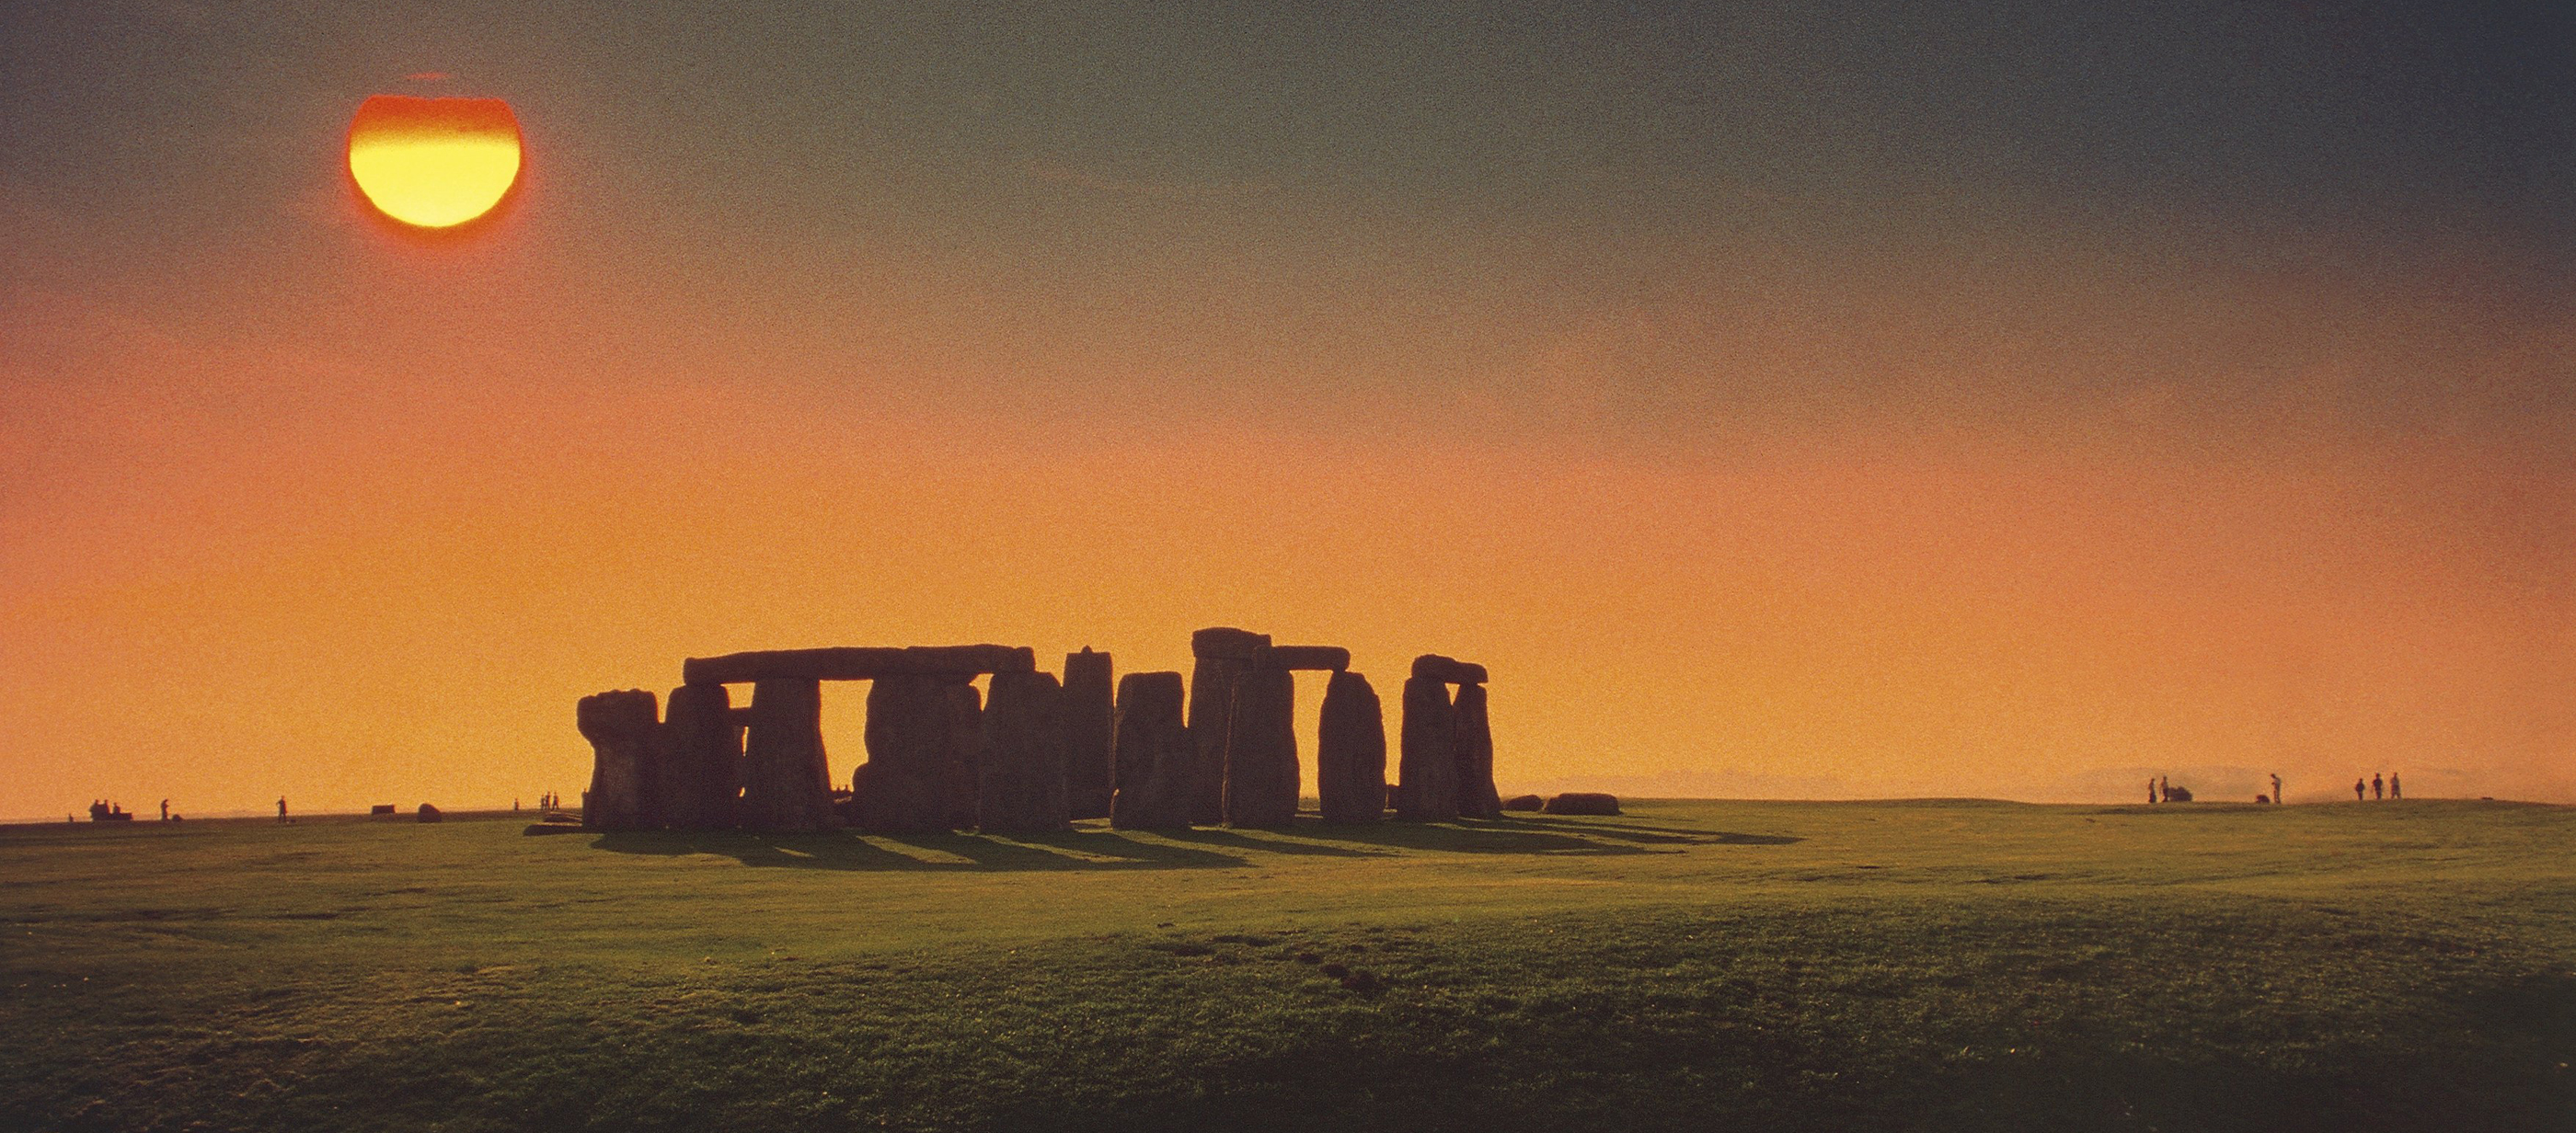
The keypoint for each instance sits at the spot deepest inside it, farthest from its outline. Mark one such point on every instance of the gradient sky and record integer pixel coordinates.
(1806, 400)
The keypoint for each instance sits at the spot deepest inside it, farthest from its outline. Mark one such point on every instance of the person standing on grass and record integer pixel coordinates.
(2392, 786)
(281, 808)
(2358, 789)
(2276, 790)
(165, 810)
(2378, 789)
(2151, 789)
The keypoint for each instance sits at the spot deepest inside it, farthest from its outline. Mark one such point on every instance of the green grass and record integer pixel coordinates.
(1944, 965)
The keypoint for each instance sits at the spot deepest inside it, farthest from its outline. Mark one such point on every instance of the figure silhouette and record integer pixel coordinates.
(165, 810)
(2378, 790)
(281, 808)
(2359, 789)
(2392, 785)
(2276, 789)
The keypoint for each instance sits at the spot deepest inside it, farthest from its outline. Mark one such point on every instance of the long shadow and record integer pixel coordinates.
(1465, 837)
(1661, 834)
(1213, 837)
(966, 853)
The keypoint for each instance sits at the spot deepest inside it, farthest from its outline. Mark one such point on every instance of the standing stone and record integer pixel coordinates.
(898, 791)
(1155, 755)
(1212, 681)
(787, 784)
(961, 759)
(1090, 736)
(1427, 774)
(703, 750)
(623, 729)
(1477, 797)
(1022, 782)
(1261, 750)
(1350, 751)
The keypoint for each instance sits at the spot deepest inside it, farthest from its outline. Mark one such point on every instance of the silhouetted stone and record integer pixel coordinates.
(898, 790)
(1333, 658)
(702, 750)
(430, 813)
(1583, 802)
(961, 759)
(1477, 797)
(1447, 670)
(1023, 773)
(1212, 681)
(1155, 755)
(787, 785)
(621, 728)
(1261, 751)
(859, 664)
(1427, 767)
(1090, 711)
(1523, 802)
(1229, 643)
(1350, 751)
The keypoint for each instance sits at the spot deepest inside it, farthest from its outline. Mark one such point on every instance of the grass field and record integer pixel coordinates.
(1692, 965)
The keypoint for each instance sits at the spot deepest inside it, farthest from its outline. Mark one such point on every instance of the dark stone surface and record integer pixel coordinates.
(961, 758)
(1261, 776)
(1427, 767)
(622, 728)
(1448, 670)
(1583, 802)
(786, 782)
(1212, 681)
(1350, 751)
(898, 790)
(1523, 802)
(859, 664)
(1090, 736)
(1022, 777)
(1230, 643)
(1155, 755)
(702, 747)
(1474, 740)
(430, 813)
(1333, 658)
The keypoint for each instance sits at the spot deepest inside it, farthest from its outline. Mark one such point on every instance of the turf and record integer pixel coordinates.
(1691, 965)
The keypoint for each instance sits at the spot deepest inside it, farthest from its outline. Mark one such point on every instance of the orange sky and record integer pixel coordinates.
(1968, 424)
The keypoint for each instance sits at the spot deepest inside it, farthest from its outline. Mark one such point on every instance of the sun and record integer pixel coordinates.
(433, 162)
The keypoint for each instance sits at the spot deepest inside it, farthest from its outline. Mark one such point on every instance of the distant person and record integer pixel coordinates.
(2164, 783)
(2359, 789)
(2392, 786)
(165, 810)
(2378, 789)
(2276, 788)
(2151, 788)
(281, 808)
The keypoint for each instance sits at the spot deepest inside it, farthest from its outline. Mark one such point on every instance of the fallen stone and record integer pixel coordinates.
(1350, 751)
(1448, 670)
(1477, 797)
(787, 783)
(1427, 767)
(858, 664)
(898, 790)
(703, 752)
(430, 813)
(1261, 775)
(1583, 802)
(1022, 781)
(1155, 755)
(621, 728)
(1090, 737)
(1523, 802)
(1332, 658)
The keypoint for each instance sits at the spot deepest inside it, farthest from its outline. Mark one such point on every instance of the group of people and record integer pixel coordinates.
(2378, 789)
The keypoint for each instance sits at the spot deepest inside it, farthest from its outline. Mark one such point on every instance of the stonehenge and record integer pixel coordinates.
(1090, 739)
(1032, 754)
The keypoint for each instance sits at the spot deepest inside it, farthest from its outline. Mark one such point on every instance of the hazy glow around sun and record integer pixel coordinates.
(434, 162)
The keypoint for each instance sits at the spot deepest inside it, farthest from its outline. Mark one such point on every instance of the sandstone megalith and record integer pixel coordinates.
(1021, 785)
(961, 758)
(1222, 655)
(1155, 755)
(787, 784)
(702, 749)
(1448, 670)
(622, 728)
(1582, 802)
(1350, 751)
(1261, 778)
(1426, 787)
(898, 791)
(858, 664)
(1474, 742)
(1090, 710)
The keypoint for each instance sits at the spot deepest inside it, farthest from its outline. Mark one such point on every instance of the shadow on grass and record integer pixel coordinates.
(932, 853)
